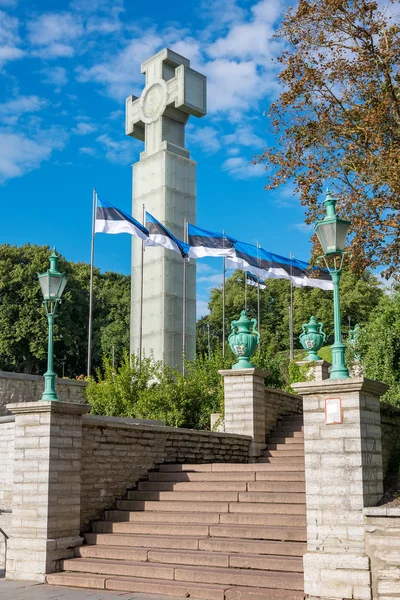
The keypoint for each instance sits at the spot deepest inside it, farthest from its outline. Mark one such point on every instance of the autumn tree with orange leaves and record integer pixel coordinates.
(337, 120)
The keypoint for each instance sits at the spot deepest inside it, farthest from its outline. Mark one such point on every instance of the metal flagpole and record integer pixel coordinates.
(291, 311)
(258, 290)
(90, 327)
(208, 335)
(245, 291)
(223, 295)
(185, 238)
(141, 295)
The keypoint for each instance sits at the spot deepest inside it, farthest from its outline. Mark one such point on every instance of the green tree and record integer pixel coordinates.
(23, 324)
(379, 345)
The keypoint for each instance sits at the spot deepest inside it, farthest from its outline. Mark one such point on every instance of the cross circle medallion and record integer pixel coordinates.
(153, 101)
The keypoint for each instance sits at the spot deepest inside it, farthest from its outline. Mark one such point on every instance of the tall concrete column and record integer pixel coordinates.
(343, 468)
(46, 487)
(164, 182)
(244, 396)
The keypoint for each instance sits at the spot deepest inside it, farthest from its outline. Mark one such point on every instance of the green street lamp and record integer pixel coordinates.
(52, 284)
(332, 232)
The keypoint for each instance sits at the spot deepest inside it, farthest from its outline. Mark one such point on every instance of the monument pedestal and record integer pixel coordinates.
(46, 487)
(343, 469)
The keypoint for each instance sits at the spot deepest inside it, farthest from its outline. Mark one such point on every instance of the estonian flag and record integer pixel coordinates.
(267, 265)
(255, 281)
(112, 220)
(207, 243)
(160, 236)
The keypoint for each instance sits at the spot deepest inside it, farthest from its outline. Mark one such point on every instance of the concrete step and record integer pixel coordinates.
(136, 584)
(198, 507)
(245, 593)
(151, 528)
(194, 558)
(179, 467)
(264, 508)
(192, 574)
(287, 452)
(263, 519)
(215, 468)
(193, 486)
(285, 447)
(282, 439)
(186, 496)
(143, 541)
(289, 432)
(278, 476)
(266, 497)
(246, 546)
(292, 461)
(188, 476)
(258, 467)
(276, 486)
(161, 517)
(291, 534)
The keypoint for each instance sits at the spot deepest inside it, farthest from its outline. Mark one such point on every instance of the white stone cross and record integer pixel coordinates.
(173, 92)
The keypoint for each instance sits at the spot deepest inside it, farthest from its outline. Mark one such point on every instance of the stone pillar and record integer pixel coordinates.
(244, 393)
(319, 369)
(46, 487)
(343, 465)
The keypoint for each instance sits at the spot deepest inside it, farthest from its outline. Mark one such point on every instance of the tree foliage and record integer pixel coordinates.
(338, 118)
(23, 324)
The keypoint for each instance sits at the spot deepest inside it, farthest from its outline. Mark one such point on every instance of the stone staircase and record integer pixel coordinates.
(209, 531)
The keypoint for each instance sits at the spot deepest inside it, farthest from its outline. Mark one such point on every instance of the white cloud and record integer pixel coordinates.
(12, 110)
(207, 138)
(201, 308)
(240, 168)
(233, 151)
(56, 76)
(9, 38)
(302, 227)
(83, 128)
(119, 151)
(121, 73)
(8, 3)
(88, 151)
(20, 154)
(52, 34)
(244, 136)
(211, 280)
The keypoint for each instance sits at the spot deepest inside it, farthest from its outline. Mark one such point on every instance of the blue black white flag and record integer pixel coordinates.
(161, 236)
(267, 265)
(207, 243)
(255, 281)
(113, 220)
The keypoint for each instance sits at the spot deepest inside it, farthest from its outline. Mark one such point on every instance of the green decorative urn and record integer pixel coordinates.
(244, 340)
(312, 338)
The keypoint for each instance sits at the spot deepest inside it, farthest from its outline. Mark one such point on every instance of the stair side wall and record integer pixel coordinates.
(116, 455)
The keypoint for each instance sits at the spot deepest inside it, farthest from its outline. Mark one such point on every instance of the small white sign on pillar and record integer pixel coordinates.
(333, 411)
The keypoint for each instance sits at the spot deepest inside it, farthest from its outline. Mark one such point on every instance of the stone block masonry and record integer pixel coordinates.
(46, 487)
(20, 387)
(251, 408)
(6, 480)
(116, 454)
(343, 467)
(382, 527)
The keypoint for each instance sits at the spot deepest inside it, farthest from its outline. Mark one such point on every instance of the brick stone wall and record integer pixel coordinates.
(279, 404)
(382, 531)
(115, 455)
(20, 387)
(6, 479)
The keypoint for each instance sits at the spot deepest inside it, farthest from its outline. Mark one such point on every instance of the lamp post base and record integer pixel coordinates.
(49, 386)
(339, 369)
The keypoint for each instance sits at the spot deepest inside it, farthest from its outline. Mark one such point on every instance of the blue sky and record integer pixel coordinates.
(65, 71)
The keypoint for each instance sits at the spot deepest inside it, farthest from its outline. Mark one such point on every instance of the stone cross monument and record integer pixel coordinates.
(164, 182)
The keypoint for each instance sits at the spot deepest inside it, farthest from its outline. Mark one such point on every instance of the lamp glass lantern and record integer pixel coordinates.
(332, 232)
(52, 284)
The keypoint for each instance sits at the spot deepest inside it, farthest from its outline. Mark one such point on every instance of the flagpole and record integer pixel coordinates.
(90, 326)
(258, 290)
(291, 311)
(245, 291)
(185, 237)
(223, 296)
(141, 293)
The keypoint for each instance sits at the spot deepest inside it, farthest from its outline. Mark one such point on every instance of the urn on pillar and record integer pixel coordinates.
(312, 338)
(244, 340)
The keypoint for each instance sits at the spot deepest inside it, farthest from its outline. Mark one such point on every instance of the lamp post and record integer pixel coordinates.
(332, 232)
(52, 284)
